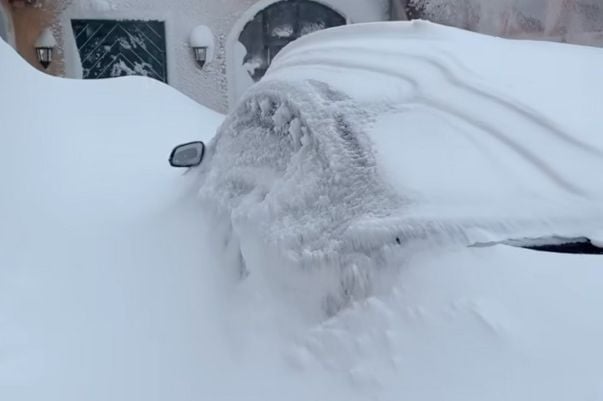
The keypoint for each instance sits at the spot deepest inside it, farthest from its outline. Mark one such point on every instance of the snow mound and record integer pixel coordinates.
(367, 138)
(465, 125)
(100, 260)
(117, 284)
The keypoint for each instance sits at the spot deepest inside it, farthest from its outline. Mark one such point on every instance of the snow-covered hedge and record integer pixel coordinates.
(573, 20)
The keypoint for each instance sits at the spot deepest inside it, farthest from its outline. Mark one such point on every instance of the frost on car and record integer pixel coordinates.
(362, 143)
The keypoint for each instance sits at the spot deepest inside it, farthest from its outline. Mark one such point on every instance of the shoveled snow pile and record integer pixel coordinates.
(118, 283)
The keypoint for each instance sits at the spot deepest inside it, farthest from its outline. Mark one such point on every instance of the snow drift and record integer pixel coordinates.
(394, 135)
(102, 256)
(116, 281)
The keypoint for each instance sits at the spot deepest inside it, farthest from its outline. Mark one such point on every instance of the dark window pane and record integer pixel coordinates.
(280, 19)
(114, 48)
(314, 17)
(252, 38)
(278, 25)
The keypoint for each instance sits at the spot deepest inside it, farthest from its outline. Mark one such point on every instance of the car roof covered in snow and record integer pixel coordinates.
(500, 137)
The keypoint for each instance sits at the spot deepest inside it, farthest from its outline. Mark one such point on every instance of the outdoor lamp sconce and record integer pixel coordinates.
(200, 53)
(45, 47)
(202, 43)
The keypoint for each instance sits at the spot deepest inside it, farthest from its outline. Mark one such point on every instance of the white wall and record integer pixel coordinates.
(354, 11)
(206, 86)
(214, 85)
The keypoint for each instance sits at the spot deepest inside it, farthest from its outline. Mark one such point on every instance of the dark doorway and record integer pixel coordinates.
(278, 25)
(114, 48)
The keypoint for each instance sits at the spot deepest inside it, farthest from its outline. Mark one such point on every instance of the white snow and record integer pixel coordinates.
(411, 133)
(418, 139)
(121, 68)
(46, 39)
(124, 279)
(283, 31)
(202, 36)
(466, 129)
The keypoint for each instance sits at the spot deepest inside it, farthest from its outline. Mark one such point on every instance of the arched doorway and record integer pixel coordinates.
(265, 32)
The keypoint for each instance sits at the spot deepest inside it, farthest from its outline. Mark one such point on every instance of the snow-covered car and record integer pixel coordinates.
(116, 282)
(367, 138)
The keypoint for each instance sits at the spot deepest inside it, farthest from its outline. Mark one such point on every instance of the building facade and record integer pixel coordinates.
(569, 21)
(109, 38)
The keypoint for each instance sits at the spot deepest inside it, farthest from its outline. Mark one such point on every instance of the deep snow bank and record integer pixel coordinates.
(102, 257)
(114, 285)
(362, 136)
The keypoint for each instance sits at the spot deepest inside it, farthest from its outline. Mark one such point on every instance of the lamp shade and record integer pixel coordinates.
(202, 42)
(200, 54)
(45, 46)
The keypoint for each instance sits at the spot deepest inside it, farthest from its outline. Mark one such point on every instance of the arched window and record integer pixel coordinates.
(279, 24)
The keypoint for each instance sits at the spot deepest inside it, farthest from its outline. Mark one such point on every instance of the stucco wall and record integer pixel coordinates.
(209, 86)
(6, 24)
(354, 11)
(28, 23)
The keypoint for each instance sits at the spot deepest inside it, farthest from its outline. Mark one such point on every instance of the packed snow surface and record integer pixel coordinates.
(371, 189)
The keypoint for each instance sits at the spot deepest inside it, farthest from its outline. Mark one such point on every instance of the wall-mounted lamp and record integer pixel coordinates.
(202, 43)
(200, 53)
(45, 47)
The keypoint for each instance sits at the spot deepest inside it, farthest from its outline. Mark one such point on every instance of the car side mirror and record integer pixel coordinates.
(188, 154)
